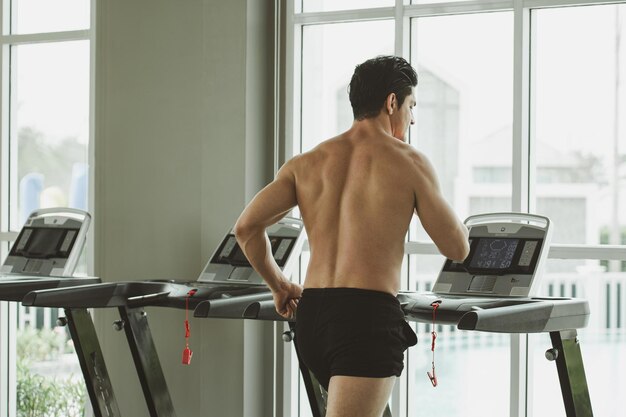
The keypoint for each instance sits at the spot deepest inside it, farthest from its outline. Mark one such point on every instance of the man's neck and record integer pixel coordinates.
(378, 126)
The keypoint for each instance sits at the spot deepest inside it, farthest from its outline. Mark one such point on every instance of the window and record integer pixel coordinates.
(463, 124)
(520, 108)
(326, 70)
(50, 133)
(463, 120)
(578, 125)
(44, 148)
(578, 119)
(41, 16)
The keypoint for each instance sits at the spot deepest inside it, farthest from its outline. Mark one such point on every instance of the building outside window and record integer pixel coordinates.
(45, 125)
(520, 107)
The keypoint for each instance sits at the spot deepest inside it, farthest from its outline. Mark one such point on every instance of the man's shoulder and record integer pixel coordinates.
(305, 159)
(416, 156)
(411, 160)
(405, 151)
(320, 150)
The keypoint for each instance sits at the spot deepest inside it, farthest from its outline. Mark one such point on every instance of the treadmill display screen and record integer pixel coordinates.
(231, 254)
(494, 253)
(499, 256)
(44, 242)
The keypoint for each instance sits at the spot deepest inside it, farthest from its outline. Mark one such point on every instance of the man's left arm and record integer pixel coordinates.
(270, 205)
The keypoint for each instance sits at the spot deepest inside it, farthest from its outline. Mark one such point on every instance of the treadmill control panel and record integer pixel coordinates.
(49, 244)
(498, 256)
(229, 265)
(507, 252)
(230, 253)
(44, 242)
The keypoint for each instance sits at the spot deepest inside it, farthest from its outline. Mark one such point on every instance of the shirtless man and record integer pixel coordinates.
(357, 193)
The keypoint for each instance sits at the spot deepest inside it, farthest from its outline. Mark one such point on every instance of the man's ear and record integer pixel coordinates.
(391, 103)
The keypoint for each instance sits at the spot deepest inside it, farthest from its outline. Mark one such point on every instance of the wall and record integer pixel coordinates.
(184, 117)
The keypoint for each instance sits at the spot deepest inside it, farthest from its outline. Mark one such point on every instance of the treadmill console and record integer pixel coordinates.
(229, 252)
(505, 257)
(49, 244)
(45, 242)
(497, 256)
(229, 264)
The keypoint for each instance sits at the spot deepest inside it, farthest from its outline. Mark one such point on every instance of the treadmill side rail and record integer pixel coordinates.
(263, 310)
(110, 294)
(234, 307)
(16, 290)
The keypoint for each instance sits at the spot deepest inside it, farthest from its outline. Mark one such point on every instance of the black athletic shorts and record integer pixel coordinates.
(351, 332)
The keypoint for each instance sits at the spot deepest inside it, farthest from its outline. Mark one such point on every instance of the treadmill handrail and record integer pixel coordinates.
(92, 296)
(81, 215)
(143, 299)
(536, 316)
(478, 219)
(505, 315)
(16, 290)
(263, 310)
(234, 307)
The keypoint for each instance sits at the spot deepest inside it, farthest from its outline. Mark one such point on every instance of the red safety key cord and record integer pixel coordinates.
(187, 353)
(433, 376)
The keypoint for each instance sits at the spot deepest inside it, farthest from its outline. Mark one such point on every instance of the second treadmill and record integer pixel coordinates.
(227, 276)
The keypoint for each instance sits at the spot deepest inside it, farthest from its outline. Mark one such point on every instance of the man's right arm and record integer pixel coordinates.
(448, 233)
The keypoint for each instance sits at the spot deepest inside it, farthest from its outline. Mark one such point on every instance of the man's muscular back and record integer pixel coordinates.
(357, 194)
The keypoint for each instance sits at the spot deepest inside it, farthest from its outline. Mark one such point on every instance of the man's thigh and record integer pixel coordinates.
(350, 396)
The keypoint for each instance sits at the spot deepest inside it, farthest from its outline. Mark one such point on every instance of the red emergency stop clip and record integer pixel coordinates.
(187, 353)
(432, 376)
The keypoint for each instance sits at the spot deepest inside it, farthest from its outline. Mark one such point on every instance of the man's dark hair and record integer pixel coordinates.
(375, 79)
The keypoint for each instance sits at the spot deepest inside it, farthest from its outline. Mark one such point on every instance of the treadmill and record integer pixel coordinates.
(492, 291)
(44, 256)
(227, 276)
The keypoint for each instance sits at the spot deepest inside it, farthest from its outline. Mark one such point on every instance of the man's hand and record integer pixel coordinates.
(286, 299)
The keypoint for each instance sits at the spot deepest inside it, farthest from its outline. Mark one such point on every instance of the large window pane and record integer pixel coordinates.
(464, 125)
(602, 343)
(34, 16)
(330, 54)
(48, 375)
(50, 128)
(464, 107)
(49, 136)
(579, 120)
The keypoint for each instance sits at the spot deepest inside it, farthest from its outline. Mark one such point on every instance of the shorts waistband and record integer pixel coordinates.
(346, 291)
